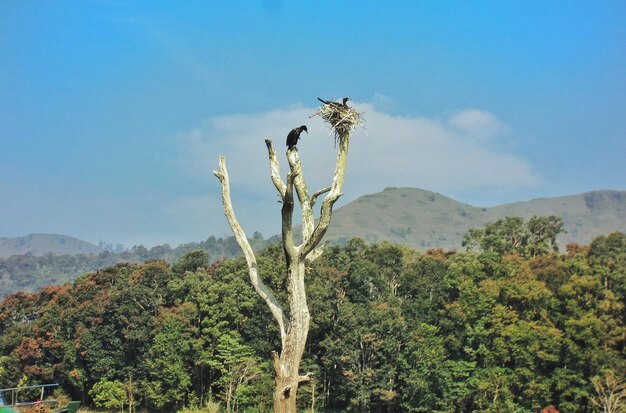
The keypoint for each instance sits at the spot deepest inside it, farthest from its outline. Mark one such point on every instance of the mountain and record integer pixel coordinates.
(415, 217)
(42, 244)
(30, 272)
(424, 219)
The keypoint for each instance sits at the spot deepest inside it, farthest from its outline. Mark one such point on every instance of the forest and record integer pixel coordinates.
(509, 325)
(30, 273)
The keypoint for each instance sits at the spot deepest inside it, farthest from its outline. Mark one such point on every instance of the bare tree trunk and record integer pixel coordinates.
(229, 397)
(130, 393)
(294, 328)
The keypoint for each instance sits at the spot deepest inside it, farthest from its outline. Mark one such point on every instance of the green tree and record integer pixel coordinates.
(511, 235)
(607, 257)
(424, 374)
(191, 261)
(109, 394)
(237, 365)
(421, 289)
(361, 354)
(168, 378)
(542, 233)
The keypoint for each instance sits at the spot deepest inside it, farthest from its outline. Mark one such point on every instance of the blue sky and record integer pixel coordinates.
(113, 113)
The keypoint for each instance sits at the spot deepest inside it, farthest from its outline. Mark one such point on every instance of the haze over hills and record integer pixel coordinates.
(41, 244)
(424, 219)
(416, 217)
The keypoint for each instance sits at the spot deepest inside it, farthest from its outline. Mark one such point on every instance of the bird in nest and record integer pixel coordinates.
(330, 102)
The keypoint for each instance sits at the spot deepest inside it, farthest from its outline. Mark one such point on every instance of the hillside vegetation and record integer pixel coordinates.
(30, 273)
(424, 219)
(511, 326)
(414, 217)
(42, 244)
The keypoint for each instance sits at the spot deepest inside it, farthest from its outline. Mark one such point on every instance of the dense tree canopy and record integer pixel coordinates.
(514, 328)
(30, 273)
(510, 235)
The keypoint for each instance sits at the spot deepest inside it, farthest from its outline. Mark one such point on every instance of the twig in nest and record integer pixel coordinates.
(342, 119)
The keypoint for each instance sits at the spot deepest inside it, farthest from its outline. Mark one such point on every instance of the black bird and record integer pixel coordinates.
(294, 135)
(329, 102)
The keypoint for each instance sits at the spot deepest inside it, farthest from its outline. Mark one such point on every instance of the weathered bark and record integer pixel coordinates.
(294, 328)
(260, 287)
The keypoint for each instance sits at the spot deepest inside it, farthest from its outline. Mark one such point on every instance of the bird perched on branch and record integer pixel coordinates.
(294, 135)
(330, 102)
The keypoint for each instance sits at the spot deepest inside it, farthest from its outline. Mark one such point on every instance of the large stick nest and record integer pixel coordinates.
(342, 119)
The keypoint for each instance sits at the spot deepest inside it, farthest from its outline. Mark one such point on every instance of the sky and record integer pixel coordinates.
(113, 113)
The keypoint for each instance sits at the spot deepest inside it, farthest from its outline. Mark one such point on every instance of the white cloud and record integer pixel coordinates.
(445, 154)
(381, 100)
(437, 154)
(477, 124)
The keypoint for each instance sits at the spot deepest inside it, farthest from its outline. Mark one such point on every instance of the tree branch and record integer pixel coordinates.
(287, 219)
(265, 293)
(306, 377)
(275, 169)
(318, 193)
(333, 195)
(315, 254)
(308, 219)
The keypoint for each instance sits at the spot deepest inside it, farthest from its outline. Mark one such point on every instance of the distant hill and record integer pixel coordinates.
(42, 244)
(415, 217)
(424, 219)
(29, 272)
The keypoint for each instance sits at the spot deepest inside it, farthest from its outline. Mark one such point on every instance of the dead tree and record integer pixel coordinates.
(293, 322)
